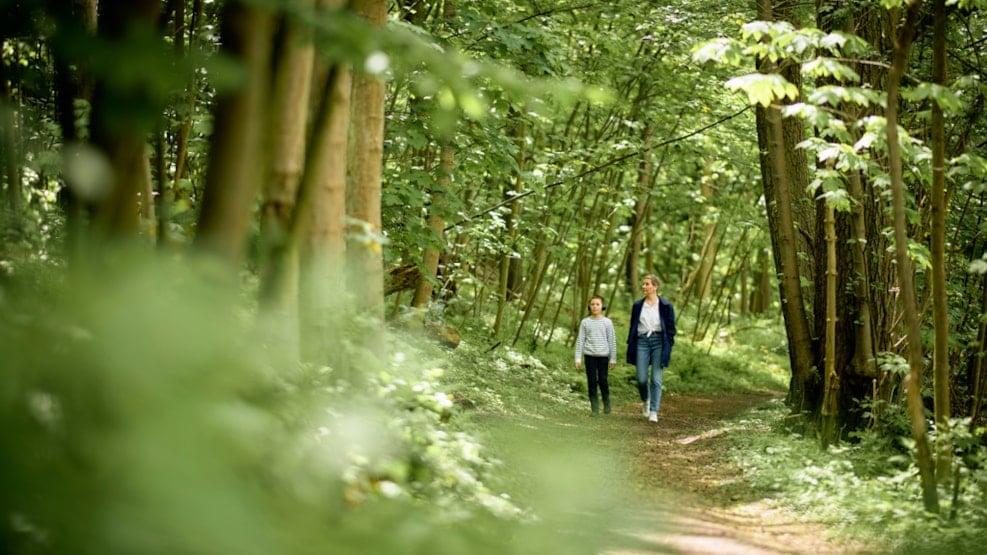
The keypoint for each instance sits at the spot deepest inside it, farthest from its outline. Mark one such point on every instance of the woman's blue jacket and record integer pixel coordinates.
(667, 314)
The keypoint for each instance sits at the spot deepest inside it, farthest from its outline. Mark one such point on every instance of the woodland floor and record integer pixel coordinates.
(694, 489)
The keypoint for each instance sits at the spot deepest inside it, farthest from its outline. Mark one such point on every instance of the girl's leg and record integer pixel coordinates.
(591, 364)
(604, 379)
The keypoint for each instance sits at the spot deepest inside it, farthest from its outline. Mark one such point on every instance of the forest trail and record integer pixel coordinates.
(694, 498)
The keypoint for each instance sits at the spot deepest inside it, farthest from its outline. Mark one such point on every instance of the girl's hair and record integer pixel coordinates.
(653, 279)
(603, 303)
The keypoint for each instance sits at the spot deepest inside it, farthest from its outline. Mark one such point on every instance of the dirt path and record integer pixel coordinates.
(695, 491)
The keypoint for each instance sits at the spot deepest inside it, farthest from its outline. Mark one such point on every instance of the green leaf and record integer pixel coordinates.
(828, 67)
(719, 50)
(948, 100)
(763, 89)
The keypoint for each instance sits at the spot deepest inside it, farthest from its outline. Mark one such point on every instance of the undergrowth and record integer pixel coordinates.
(864, 490)
(162, 423)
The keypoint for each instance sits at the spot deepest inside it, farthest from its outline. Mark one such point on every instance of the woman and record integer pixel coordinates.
(649, 343)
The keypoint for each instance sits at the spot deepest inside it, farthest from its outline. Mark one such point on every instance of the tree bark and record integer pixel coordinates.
(235, 170)
(364, 250)
(780, 167)
(940, 308)
(430, 258)
(913, 381)
(279, 274)
(326, 241)
(831, 387)
(122, 140)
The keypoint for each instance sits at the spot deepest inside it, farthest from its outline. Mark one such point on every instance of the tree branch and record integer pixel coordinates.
(602, 166)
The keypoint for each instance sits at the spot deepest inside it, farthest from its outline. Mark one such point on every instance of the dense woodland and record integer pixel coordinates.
(491, 164)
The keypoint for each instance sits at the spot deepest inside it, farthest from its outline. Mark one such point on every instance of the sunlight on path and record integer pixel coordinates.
(679, 465)
(710, 533)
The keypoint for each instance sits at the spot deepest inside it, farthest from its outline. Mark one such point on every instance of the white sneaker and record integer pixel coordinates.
(653, 417)
(646, 411)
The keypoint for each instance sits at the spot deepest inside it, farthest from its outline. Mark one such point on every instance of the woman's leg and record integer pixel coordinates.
(657, 371)
(641, 366)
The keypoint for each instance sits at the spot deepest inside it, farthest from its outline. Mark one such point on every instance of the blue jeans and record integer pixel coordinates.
(649, 353)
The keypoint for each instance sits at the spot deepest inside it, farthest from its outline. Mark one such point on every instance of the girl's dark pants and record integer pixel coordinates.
(597, 377)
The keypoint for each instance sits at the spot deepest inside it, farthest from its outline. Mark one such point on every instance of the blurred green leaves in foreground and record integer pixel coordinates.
(143, 413)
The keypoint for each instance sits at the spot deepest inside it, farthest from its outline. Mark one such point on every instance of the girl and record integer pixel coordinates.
(597, 345)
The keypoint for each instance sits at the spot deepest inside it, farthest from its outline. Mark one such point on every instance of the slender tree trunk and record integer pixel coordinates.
(711, 245)
(940, 309)
(235, 171)
(603, 266)
(430, 258)
(510, 261)
(280, 254)
(9, 149)
(185, 121)
(761, 292)
(913, 382)
(980, 368)
(831, 386)
(72, 83)
(863, 323)
(122, 141)
(636, 244)
(364, 251)
(326, 242)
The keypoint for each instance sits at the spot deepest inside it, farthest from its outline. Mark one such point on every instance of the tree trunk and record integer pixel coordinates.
(326, 241)
(632, 264)
(761, 291)
(122, 140)
(780, 166)
(279, 273)
(940, 308)
(72, 82)
(9, 149)
(235, 170)
(711, 245)
(510, 261)
(430, 258)
(980, 367)
(831, 387)
(364, 249)
(863, 324)
(913, 382)
(185, 121)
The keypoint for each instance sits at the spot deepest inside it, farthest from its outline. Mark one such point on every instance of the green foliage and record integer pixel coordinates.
(862, 489)
(143, 413)
(763, 89)
(745, 358)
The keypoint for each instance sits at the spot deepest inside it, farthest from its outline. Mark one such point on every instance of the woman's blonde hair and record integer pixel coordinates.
(653, 279)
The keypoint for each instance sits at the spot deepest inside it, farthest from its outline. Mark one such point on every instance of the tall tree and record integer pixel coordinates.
(325, 246)
(913, 382)
(236, 162)
(783, 170)
(431, 254)
(122, 137)
(290, 101)
(364, 251)
(940, 308)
